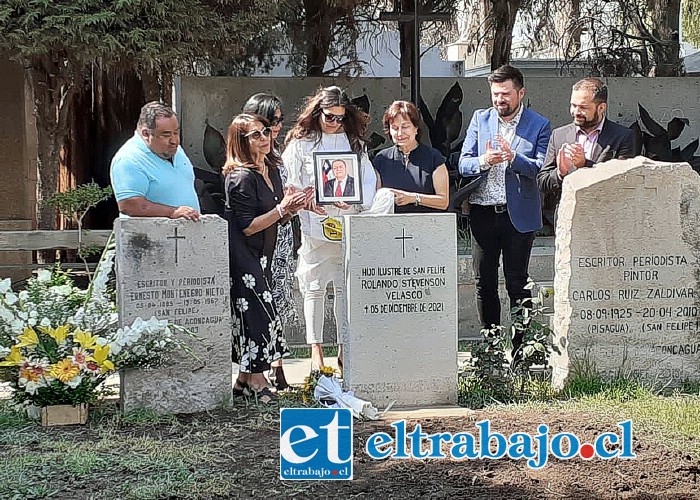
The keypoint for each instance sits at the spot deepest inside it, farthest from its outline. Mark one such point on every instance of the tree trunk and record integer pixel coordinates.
(319, 35)
(52, 90)
(665, 15)
(503, 13)
(117, 100)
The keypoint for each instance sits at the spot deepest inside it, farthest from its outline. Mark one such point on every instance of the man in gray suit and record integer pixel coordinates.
(591, 138)
(342, 184)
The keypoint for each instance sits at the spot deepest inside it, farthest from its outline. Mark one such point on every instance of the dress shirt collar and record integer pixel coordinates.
(514, 122)
(595, 131)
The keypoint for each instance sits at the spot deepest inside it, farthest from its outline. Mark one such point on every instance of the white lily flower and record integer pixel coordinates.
(5, 285)
(11, 298)
(45, 322)
(43, 275)
(32, 387)
(63, 290)
(23, 295)
(114, 348)
(75, 381)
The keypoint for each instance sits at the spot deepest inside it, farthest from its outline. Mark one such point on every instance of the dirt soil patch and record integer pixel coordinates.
(252, 458)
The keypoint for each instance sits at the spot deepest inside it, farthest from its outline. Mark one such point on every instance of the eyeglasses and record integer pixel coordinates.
(277, 120)
(257, 134)
(330, 117)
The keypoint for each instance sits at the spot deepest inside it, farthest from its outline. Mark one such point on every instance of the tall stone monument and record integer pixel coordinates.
(401, 277)
(626, 291)
(177, 270)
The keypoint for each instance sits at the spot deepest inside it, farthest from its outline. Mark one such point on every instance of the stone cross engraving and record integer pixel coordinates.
(640, 187)
(403, 239)
(176, 237)
(193, 294)
(401, 344)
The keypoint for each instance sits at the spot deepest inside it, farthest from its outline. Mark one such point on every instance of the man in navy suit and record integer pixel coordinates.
(509, 142)
(591, 138)
(342, 184)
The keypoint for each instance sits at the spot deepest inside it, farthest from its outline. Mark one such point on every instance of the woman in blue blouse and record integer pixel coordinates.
(414, 172)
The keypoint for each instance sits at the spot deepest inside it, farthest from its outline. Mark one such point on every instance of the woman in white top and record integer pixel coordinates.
(328, 123)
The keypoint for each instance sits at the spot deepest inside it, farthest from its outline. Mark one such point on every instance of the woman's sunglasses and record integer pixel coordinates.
(257, 134)
(276, 120)
(330, 117)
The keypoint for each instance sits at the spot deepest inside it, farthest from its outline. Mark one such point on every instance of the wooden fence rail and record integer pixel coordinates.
(50, 240)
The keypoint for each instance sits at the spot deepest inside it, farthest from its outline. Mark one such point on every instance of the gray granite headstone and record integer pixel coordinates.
(177, 270)
(401, 277)
(626, 292)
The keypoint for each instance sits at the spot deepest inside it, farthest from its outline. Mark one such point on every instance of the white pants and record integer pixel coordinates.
(320, 263)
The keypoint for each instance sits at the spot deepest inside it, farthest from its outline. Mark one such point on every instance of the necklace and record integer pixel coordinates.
(406, 155)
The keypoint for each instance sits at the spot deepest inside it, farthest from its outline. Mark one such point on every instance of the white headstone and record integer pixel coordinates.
(177, 270)
(626, 291)
(401, 276)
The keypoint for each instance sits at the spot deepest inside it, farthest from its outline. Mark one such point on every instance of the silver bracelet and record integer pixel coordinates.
(279, 211)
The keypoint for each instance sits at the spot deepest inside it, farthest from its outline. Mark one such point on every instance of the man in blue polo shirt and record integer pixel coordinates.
(151, 174)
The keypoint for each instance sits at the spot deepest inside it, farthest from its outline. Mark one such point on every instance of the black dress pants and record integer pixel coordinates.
(492, 234)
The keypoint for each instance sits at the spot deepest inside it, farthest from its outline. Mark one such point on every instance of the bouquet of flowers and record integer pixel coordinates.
(323, 386)
(58, 343)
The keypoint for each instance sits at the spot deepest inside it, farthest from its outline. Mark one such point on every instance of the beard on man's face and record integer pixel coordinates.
(586, 124)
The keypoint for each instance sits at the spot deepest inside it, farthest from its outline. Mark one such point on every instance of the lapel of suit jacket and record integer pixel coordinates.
(520, 130)
(571, 134)
(597, 148)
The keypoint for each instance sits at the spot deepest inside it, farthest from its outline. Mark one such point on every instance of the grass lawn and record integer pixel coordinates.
(234, 453)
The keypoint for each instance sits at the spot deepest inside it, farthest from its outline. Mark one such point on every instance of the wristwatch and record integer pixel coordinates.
(418, 198)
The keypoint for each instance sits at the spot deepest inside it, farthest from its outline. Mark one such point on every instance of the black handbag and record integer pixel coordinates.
(469, 184)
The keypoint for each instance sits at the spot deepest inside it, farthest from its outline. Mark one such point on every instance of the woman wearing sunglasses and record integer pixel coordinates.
(255, 206)
(414, 172)
(328, 123)
(283, 263)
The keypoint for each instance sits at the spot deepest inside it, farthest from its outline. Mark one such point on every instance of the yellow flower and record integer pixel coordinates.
(100, 355)
(65, 370)
(85, 340)
(59, 334)
(28, 338)
(14, 358)
(29, 374)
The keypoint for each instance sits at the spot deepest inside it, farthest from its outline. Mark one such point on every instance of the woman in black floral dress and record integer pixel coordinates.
(255, 205)
(283, 262)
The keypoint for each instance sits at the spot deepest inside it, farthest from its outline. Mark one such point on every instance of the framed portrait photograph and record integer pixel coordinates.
(338, 177)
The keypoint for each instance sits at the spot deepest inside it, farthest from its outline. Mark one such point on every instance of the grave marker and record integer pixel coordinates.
(401, 275)
(177, 270)
(627, 268)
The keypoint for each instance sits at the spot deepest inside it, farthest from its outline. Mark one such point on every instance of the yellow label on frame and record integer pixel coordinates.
(332, 229)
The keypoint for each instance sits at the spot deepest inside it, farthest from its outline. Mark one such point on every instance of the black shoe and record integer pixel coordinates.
(277, 378)
(241, 389)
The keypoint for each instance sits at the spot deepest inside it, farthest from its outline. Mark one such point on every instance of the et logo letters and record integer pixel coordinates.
(315, 444)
